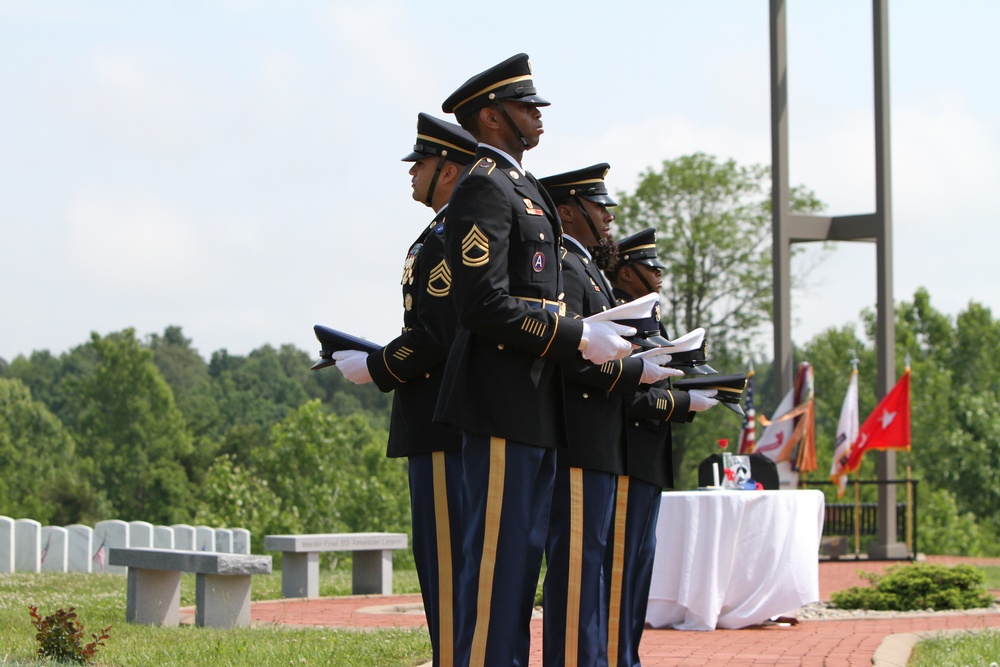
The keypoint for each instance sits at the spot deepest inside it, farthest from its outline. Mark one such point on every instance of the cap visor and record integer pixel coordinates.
(534, 100)
(601, 199)
(413, 157)
(659, 341)
(322, 363)
(735, 407)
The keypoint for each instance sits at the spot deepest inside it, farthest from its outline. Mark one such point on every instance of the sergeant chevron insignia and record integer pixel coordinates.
(475, 248)
(439, 280)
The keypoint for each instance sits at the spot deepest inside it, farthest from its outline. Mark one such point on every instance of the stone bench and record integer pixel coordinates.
(371, 570)
(222, 585)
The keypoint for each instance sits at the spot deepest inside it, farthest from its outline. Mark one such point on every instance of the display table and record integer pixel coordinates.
(729, 559)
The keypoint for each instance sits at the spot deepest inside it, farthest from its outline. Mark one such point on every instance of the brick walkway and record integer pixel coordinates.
(830, 643)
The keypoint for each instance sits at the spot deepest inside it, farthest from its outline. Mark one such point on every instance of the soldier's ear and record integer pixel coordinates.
(565, 211)
(489, 117)
(449, 172)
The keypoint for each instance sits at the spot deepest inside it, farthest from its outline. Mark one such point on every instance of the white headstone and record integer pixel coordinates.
(183, 537)
(108, 534)
(224, 540)
(204, 538)
(140, 534)
(27, 545)
(55, 541)
(6, 545)
(163, 537)
(80, 548)
(241, 541)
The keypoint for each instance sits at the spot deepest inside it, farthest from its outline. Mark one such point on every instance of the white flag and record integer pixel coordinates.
(847, 434)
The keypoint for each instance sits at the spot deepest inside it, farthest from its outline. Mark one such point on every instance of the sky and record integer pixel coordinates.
(233, 167)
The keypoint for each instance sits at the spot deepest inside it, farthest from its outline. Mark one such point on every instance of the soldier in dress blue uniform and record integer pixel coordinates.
(629, 557)
(503, 384)
(575, 610)
(412, 366)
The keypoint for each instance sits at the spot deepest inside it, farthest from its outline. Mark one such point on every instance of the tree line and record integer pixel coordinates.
(132, 429)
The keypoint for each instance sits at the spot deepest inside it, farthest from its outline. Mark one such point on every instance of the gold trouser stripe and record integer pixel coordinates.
(446, 597)
(575, 573)
(487, 564)
(617, 569)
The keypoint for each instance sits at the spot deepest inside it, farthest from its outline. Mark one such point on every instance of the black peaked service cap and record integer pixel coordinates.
(640, 248)
(509, 80)
(729, 387)
(587, 183)
(439, 137)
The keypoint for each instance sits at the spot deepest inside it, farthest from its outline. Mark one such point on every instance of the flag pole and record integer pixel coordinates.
(857, 484)
(909, 491)
(857, 516)
(909, 509)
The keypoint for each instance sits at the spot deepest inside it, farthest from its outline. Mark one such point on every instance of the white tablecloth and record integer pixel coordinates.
(729, 559)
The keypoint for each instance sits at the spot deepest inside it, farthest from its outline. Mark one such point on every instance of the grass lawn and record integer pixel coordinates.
(992, 577)
(966, 649)
(100, 601)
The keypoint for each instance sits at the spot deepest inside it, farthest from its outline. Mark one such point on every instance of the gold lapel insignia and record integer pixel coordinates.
(475, 248)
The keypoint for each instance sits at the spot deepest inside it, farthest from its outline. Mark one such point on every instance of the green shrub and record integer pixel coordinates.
(60, 637)
(918, 586)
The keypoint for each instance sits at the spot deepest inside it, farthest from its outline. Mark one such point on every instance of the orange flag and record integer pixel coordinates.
(887, 427)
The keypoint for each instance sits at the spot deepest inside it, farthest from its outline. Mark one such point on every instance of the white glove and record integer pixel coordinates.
(651, 373)
(658, 357)
(701, 399)
(353, 364)
(602, 341)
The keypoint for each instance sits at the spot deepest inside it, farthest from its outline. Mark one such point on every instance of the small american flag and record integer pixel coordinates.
(101, 556)
(748, 436)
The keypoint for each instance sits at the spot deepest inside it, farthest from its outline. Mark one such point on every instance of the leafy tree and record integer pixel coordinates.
(131, 427)
(333, 472)
(187, 374)
(713, 222)
(232, 495)
(943, 529)
(38, 468)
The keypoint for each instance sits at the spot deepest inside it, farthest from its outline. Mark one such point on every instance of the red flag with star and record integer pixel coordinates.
(887, 427)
